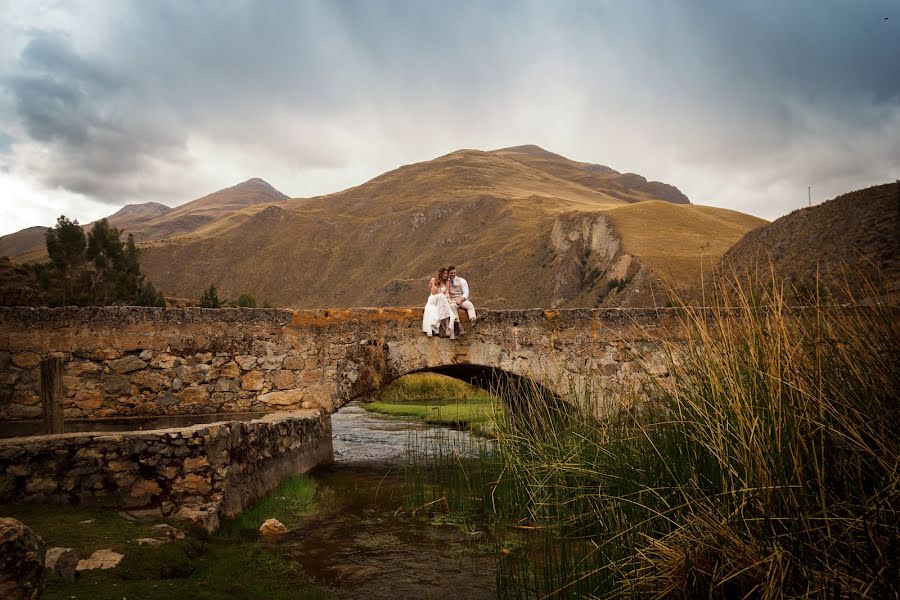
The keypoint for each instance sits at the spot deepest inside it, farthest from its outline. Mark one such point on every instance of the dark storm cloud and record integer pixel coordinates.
(745, 95)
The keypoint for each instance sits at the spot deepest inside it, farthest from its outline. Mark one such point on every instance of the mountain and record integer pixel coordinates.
(629, 187)
(848, 242)
(152, 220)
(526, 228)
(132, 215)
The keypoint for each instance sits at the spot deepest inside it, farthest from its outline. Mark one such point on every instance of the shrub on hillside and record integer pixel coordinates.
(247, 300)
(210, 298)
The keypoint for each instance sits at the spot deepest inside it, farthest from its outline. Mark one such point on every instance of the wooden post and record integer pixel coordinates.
(52, 394)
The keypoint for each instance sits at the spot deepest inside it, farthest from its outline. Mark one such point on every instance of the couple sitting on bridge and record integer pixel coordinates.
(449, 293)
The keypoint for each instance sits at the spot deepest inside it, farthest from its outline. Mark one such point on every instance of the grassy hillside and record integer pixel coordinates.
(848, 242)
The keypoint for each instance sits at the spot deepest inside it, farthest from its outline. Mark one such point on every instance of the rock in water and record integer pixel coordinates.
(101, 559)
(62, 562)
(272, 527)
(21, 561)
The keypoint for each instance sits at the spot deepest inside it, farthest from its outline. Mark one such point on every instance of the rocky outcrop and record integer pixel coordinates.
(22, 575)
(590, 267)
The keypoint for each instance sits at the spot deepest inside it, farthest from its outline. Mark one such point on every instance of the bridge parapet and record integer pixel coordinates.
(125, 361)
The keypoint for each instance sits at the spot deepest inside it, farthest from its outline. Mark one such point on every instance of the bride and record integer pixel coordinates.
(437, 309)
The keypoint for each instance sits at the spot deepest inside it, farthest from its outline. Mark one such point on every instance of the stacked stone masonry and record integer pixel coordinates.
(200, 473)
(126, 361)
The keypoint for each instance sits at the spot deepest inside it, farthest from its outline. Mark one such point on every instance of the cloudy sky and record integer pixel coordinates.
(741, 104)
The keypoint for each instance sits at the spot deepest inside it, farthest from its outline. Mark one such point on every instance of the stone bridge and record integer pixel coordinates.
(128, 361)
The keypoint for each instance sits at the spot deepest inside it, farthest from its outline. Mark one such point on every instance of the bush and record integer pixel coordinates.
(247, 300)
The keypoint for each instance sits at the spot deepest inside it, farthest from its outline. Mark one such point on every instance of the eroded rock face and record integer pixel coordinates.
(22, 552)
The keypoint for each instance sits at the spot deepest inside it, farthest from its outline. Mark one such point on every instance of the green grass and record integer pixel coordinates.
(233, 563)
(292, 501)
(438, 400)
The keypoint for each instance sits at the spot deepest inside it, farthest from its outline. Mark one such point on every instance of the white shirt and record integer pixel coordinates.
(463, 284)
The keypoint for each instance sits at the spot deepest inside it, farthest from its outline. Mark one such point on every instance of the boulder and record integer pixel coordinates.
(101, 559)
(272, 527)
(62, 562)
(205, 516)
(22, 551)
(151, 542)
(168, 531)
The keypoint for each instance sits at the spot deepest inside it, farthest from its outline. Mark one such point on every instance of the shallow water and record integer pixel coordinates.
(362, 544)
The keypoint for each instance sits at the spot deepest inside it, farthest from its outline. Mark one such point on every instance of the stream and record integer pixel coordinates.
(361, 544)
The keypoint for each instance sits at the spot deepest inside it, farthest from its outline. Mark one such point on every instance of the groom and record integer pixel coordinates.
(459, 298)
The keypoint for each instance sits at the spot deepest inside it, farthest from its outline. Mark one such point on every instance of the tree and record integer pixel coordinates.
(66, 247)
(247, 300)
(98, 269)
(210, 298)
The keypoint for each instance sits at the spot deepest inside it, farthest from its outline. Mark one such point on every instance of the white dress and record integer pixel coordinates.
(437, 308)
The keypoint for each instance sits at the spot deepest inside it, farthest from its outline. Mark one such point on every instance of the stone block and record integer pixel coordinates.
(282, 379)
(150, 380)
(293, 362)
(195, 464)
(285, 398)
(127, 364)
(18, 411)
(146, 355)
(106, 353)
(194, 395)
(164, 361)
(41, 486)
(116, 385)
(225, 385)
(253, 380)
(165, 400)
(203, 357)
(88, 399)
(26, 398)
(230, 370)
(245, 361)
(26, 360)
(82, 368)
(311, 376)
(192, 485)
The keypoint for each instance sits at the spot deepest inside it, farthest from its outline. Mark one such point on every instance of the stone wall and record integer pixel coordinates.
(199, 473)
(124, 361)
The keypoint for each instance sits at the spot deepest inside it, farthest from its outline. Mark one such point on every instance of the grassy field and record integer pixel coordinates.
(436, 399)
(230, 564)
(765, 466)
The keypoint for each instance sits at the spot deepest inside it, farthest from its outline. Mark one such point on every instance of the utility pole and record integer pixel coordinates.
(809, 195)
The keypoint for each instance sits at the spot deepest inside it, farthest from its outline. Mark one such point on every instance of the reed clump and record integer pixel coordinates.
(766, 465)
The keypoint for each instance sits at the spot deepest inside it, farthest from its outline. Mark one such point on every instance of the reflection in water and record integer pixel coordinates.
(361, 544)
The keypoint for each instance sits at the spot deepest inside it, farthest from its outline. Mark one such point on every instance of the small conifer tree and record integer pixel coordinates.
(210, 298)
